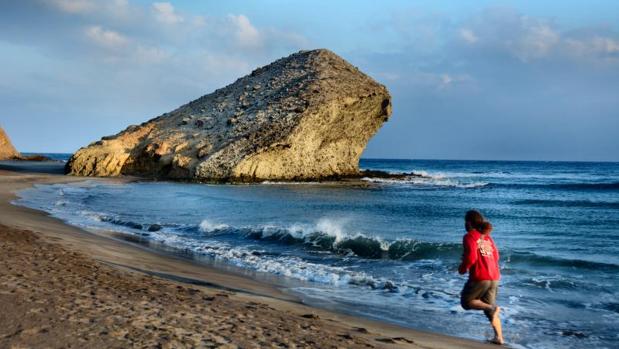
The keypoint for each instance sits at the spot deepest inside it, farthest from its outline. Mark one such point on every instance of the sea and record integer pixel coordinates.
(389, 249)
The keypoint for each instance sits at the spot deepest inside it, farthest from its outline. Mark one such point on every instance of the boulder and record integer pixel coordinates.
(307, 116)
(7, 151)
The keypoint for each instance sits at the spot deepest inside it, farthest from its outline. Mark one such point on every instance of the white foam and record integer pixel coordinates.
(426, 174)
(569, 176)
(427, 181)
(289, 266)
(209, 227)
(289, 183)
(333, 227)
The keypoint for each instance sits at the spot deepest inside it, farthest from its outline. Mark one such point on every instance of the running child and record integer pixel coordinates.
(481, 260)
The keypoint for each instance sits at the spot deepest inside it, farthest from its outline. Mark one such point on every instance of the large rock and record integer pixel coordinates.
(7, 151)
(306, 116)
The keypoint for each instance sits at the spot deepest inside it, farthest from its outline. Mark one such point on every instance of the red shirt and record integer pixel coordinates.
(480, 257)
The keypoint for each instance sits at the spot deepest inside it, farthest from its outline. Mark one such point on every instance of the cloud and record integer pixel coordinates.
(116, 8)
(507, 32)
(73, 6)
(438, 82)
(151, 54)
(535, 40)
(246, 34)
(165, 13)
(447, 80)
(468, 36)
(605, 45)
(597, 46)
(104, 37)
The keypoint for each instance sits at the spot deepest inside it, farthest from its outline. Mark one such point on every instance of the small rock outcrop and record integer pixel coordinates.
(303, 117)
(7, 151)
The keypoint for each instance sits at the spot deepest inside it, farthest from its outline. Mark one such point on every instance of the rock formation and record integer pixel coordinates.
(7, 151)
(306, 116)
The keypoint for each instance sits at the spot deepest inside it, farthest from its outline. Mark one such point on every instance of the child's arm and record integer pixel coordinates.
(469, 257)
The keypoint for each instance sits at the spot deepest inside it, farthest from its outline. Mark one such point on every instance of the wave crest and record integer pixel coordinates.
(210, 227)
(327, 235)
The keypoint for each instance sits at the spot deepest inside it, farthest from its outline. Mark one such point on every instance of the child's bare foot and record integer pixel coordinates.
(497, 341)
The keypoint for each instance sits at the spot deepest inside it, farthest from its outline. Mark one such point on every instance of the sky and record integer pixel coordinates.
(481, 80)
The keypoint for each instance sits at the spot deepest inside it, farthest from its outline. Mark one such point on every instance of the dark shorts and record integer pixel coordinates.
(485, 291)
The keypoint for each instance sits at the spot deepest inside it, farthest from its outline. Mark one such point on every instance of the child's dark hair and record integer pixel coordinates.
(473, 220)
(485, 227)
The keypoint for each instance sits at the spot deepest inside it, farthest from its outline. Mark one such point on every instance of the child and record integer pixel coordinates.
(481, 260)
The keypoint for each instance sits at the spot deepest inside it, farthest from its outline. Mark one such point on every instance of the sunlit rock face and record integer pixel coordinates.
(7, 151)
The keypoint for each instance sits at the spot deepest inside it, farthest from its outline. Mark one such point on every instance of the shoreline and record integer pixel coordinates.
(128, 263)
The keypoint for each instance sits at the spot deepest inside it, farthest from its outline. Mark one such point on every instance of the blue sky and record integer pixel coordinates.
(512, 80)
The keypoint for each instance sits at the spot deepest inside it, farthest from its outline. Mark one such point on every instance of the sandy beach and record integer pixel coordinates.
(64, 287)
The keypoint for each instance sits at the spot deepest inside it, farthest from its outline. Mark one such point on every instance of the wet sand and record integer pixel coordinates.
(64, 287)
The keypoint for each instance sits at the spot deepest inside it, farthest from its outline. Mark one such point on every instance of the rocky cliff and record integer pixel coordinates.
(7, 151)
(305, 116)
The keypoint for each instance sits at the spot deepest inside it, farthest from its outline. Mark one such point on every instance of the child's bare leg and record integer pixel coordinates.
(496, 326)
(495, 321)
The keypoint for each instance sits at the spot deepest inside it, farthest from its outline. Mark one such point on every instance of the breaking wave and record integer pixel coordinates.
(327, 236)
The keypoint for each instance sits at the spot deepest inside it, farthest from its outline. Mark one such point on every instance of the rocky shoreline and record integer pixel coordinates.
(351, 179)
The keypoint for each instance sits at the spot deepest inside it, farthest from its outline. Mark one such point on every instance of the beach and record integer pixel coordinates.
(64, 287)
(309, 175)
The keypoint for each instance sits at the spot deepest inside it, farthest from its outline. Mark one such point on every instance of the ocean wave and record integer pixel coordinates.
(612, 306)
(426, 179)
(283, 265)
(328, 236)
(531, 258)
(110, 219)
(552, 283)
(568, 203)
(584, 186)
(466, 180)
(505, 175)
